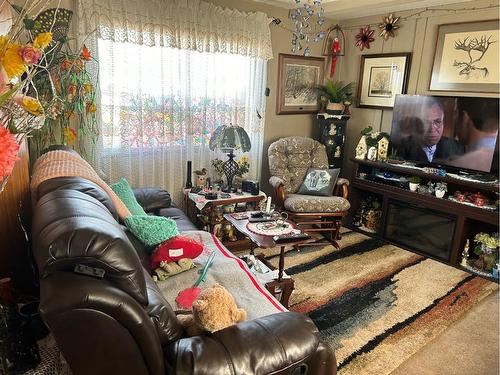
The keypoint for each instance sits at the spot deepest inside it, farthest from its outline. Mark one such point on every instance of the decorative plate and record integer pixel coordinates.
(270, 228)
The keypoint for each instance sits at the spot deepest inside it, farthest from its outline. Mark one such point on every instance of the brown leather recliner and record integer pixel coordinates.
(121, 324)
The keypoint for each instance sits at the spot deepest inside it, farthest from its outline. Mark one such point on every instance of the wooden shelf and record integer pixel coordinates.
(429, 201)
(430, 176)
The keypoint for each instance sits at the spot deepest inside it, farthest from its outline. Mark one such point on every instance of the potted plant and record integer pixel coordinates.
(337, 93)
(440, 189)
(486, 249)
(414, 182)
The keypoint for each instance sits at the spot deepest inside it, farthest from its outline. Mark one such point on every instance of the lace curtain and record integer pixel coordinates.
(169, 74)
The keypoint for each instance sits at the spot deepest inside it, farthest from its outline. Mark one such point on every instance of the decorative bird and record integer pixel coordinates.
(335, 51)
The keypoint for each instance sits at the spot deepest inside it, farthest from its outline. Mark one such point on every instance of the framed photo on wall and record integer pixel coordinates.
(298, 77)
(381, 78)
(466, 57)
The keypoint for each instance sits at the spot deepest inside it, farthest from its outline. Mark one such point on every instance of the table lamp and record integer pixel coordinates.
(227, 139)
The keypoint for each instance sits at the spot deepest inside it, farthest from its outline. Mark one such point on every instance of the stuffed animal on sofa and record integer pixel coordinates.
(213, 310)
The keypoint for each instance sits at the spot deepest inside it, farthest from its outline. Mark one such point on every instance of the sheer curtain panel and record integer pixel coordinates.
(170, 72)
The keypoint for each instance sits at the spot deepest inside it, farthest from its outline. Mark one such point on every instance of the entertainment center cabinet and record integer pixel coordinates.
(422, 223)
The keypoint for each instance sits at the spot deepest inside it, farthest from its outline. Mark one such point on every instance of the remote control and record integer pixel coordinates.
(291, 237)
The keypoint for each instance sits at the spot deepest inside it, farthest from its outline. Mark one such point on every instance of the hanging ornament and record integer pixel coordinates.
(388, 27)
(306, 13)
(364, 37)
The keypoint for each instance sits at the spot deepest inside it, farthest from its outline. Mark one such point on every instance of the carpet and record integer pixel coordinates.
(376, 304)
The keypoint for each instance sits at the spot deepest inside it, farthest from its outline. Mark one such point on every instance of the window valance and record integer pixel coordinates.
(185, 24)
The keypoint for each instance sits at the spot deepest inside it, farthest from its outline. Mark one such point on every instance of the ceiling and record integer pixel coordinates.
(346, 9)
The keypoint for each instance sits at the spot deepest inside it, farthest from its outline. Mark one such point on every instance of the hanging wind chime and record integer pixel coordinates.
(307, 12)
(334, 46)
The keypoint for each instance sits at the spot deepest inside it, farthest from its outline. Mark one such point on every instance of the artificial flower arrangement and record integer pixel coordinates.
(68, 90)
(487, 250)
(20, 113)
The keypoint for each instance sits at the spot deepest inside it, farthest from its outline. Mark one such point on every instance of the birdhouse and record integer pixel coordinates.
(382, 149)
(361, 148)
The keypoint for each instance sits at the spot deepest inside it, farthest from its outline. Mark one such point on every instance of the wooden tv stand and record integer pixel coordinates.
(467, 220)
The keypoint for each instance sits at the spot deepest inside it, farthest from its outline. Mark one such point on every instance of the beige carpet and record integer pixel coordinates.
(378, 305)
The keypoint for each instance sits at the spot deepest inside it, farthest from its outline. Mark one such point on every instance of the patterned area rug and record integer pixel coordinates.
(376, 304)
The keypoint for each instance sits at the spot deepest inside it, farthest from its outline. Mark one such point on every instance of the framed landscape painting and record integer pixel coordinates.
(381, 78)
(467, 57)
(298, 77)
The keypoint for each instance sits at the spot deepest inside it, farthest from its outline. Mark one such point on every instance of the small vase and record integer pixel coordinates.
(440, 193)
(413, 186)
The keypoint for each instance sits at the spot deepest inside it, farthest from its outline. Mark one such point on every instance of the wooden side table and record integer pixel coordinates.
(203, 213)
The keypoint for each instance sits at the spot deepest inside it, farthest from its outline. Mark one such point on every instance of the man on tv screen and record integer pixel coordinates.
(418, 134)
(477, 129)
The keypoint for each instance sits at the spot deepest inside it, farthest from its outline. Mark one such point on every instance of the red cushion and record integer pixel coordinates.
(175, 248)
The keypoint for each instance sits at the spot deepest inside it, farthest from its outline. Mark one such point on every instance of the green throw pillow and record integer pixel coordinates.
(151, 230)
(125, 193)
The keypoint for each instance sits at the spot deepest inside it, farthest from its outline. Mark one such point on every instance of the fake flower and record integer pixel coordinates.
(29, 54)
(85, 54)
(42, 40)
(71, 89)
(66, 64)
(10, 58)
(70, 136)
(364, 37)
(29, 104)
(8, 152)
(88, 87)
(91, 107)
(490, 241)
(388, 27)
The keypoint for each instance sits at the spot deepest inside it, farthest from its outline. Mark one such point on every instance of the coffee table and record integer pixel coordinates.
(281, 288)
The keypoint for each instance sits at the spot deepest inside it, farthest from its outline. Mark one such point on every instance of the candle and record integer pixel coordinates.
(268, 205)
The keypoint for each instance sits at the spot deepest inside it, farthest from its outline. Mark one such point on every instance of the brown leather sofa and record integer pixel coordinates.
(121, 324)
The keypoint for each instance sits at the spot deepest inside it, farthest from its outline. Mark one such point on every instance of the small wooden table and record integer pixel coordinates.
(280, 288)
(203, 213)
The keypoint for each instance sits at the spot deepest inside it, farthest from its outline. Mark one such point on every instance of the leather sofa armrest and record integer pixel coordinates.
(342, 188)
(153, 199)
(271, 344)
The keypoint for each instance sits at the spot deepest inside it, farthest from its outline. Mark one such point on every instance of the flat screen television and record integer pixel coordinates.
(457, 132)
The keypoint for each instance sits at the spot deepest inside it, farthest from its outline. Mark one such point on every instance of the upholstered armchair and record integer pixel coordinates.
(289, 160)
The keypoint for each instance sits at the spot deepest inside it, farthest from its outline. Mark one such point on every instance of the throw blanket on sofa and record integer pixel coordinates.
(227, 270)
(62, 163)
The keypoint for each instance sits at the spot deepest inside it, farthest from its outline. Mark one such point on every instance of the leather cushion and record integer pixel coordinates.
(159, 310)
(152, 199)
(70, 227)
(79, 184)
(183, 223)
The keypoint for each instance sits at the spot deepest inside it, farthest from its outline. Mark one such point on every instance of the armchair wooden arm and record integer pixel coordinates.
(342, 188)
(279, 190)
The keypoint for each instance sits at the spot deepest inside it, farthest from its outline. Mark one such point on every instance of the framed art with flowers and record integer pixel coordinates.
(381, 78)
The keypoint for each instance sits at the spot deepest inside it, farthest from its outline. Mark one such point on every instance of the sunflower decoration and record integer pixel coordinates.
(388, 27)
(364, 37)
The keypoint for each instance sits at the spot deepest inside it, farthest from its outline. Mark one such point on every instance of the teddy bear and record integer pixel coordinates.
(213, 310)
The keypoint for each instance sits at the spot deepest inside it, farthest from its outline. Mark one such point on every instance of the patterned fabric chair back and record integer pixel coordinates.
(291, 157)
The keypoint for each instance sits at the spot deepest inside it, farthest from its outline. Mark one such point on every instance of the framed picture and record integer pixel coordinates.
(466, 57)
(298, 77)
(381, 78)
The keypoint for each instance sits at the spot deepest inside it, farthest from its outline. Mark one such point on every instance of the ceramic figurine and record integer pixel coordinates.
(201, 177)
(382, 149)
(361, 148)
(333, 130)
(465, 255)
(372, 153)
(337, 152)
